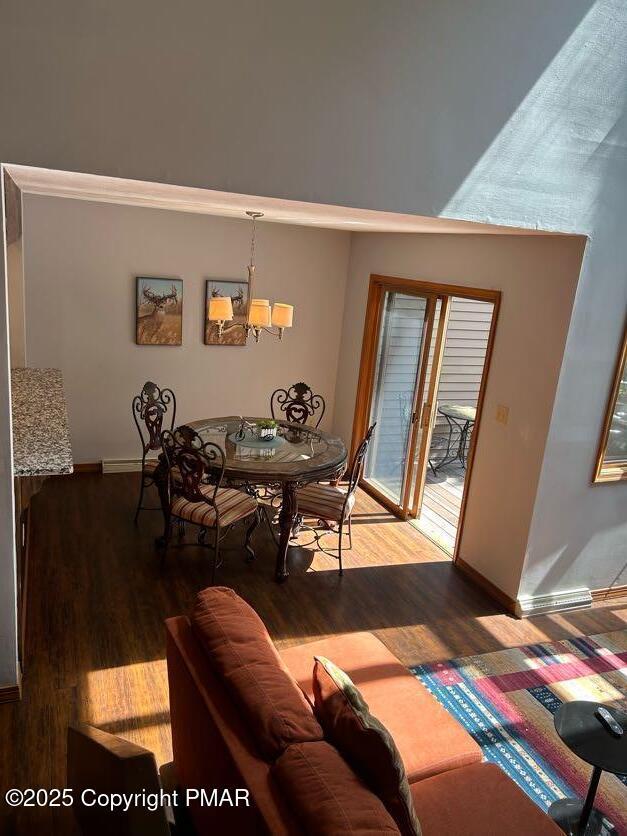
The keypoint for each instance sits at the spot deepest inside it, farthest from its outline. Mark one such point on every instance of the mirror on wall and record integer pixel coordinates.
(612, 458)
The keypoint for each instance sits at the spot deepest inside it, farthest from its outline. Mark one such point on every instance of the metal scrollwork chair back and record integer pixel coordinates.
(150, 409)
(197, 464)
(195, 474)
(298, 405)
(357, 466)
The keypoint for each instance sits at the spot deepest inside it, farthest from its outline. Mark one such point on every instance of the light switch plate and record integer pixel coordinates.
(502, 414)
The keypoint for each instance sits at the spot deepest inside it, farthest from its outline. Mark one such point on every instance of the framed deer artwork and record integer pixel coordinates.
(232, 333)
(159, 311)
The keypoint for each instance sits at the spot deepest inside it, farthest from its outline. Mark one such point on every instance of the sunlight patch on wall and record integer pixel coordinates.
(546, 167)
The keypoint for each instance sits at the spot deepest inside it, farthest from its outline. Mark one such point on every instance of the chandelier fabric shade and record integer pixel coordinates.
(261, 315)
(282, 315)
(220, 308)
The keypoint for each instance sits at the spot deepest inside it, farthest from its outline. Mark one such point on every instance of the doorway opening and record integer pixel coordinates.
(425, 359)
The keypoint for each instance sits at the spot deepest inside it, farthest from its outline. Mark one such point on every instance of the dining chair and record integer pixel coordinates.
(330, 503)
(196, 495)
(298, 405)
(150, 408)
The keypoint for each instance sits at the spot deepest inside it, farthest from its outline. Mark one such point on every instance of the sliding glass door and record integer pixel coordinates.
(397, 394)
(419, 357)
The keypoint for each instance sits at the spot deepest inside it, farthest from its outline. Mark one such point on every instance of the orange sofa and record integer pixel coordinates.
(242, 717)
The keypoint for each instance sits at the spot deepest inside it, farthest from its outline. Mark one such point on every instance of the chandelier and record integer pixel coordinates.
(260, 316)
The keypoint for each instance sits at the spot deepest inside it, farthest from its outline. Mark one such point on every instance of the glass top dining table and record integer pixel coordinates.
(298, 455)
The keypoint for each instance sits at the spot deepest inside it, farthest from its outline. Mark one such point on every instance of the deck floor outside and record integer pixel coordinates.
(441, 505)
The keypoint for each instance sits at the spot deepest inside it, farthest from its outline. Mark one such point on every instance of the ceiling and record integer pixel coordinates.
(95, 187)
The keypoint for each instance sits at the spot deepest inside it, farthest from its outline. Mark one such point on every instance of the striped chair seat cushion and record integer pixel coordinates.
(324, 502)
(233, 505)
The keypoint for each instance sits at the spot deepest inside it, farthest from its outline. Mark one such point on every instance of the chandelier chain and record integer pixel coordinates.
(253, 216)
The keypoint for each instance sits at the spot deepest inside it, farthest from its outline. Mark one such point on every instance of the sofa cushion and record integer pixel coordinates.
(326, 796)
(478, 800)
(243, 655)
(364, 741)
(396, 698)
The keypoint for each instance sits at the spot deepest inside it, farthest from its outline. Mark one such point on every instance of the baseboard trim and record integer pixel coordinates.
(88, 467)
(10, 693)
(571, 599)
(609, 592)
(487, 586)
(121, 465)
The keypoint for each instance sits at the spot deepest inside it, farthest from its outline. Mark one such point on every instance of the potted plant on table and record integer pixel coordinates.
(266, 430)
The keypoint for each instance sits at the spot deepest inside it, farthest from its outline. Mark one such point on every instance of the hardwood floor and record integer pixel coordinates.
(95, 641)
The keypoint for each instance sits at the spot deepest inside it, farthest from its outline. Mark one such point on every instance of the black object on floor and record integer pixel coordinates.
(587, 735)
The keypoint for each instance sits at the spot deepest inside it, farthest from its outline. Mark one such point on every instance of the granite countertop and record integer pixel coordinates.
(41, 437)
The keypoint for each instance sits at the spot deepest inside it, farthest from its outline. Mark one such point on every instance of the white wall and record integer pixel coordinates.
(579, 532)
(8, 579)
(537, 277)
(362, 102)
(15, 292)
(15, 270)
(81, 260)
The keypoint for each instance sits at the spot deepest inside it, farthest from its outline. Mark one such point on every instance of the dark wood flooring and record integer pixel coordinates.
(95, 641)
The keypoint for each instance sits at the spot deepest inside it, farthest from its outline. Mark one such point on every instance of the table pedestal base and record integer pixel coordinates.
(566, 813)
(287, 518)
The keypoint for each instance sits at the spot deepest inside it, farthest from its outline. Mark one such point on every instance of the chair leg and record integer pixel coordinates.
(339, 548)
(249, 532)
(216, 554)
(141, 498)
(298, 524)
(164, 541)
(350, 531)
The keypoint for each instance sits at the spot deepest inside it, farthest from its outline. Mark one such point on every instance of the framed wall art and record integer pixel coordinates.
(232, 332)
(159, 311)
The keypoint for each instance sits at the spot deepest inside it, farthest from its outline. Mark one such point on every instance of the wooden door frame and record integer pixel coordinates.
(416, 406)
(434, 379)
(613, 471)
(378, 286)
